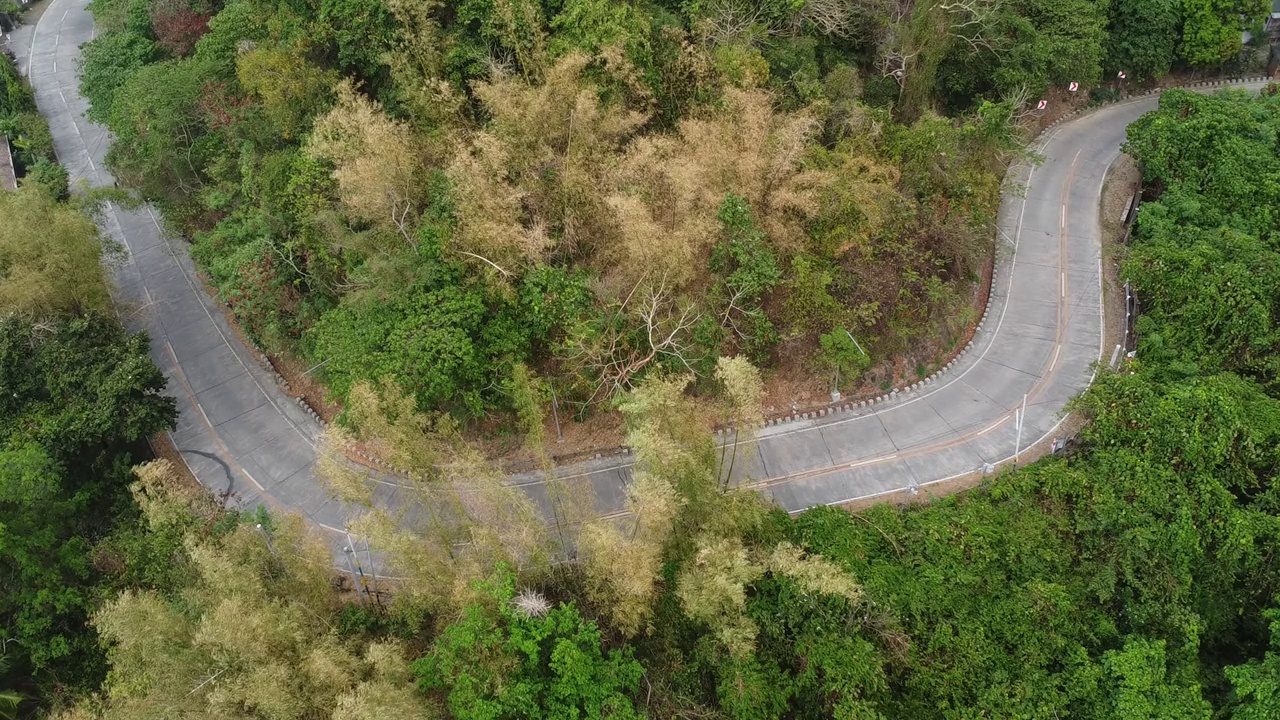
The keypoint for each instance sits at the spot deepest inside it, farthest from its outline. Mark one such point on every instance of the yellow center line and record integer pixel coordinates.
(1033, 394)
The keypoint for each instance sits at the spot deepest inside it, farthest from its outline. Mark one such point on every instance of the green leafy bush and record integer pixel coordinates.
(107, 63)
(841, 353)
(518, 656)
(76, 396)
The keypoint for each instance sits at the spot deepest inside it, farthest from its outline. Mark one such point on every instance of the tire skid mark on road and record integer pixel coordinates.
(1067, 315)
(1043, 143)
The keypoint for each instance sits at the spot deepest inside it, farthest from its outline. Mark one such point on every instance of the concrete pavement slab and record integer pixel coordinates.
(214, 367)
(188, 328)
(230, 400)
(794, 453)
(850, 442)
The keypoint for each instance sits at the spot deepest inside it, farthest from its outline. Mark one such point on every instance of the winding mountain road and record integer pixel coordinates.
(240, 434)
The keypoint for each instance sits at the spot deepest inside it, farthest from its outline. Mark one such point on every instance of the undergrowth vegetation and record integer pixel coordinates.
(1132, 578)
(78, 398)
(28, 133)
(633, 200)
(434, 191)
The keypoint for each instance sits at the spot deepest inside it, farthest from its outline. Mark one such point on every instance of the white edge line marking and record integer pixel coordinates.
(164, 238)
(882, 493)
(1042, 142)
(1093, 376)
(31, 51)
(1102, 327)
(995, 332)
(241, 468)
(205, 309)
(1017, 241)
(1003, 419)
(1046, 138)
(1013, 262)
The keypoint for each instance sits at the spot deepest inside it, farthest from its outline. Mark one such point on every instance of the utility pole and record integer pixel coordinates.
(1017, 427)
(316, 367)
(350, 551)
(267, 537)
(555, 412)
(373, 569)
(855, 342)
(1018, 417)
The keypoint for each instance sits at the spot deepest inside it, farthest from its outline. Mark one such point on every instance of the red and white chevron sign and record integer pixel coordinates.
(1042, 104)
(1073, 86)
(1121, 75)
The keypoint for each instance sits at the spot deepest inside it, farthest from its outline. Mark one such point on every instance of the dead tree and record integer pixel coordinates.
(650, 325)
(972, 21)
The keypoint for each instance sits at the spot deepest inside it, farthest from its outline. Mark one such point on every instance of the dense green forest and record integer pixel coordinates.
(425, 195)
(434, 191)
(1133, 578)
(77, 397)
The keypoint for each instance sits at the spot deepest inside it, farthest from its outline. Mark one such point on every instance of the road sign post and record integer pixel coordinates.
(1019, 415)
(353, 562)
(373, 569)
(855, 342)
(555, 412)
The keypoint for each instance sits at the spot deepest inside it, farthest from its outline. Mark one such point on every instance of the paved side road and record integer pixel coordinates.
(1035, 349)
(236, 430)
(1039, 346)
(241, 435)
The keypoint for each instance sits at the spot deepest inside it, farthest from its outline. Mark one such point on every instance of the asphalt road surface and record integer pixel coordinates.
(242, 435)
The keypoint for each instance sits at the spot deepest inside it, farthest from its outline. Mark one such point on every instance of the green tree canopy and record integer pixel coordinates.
(1204, 259)
(516, 656)
(75, 397)
(1256, 683)
(109, 60)
(50, 257)
(1142, 38)
(1212, 29)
